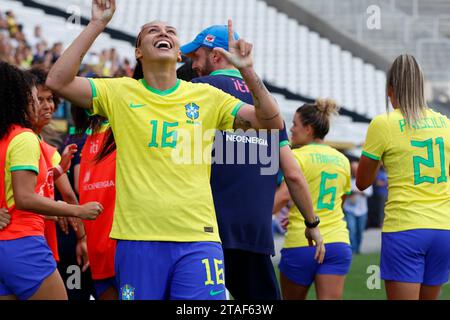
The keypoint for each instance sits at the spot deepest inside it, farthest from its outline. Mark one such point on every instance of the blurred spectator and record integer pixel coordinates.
(39, 53)
(19, 35)
(128, 69)
(378, 200)
(115, 63)
(355, 209)
(105, 66)
(57, 51)
(48, 60)
(3, 22)
(6, 50)
(37, 37)
(28, 57)
(11, 23)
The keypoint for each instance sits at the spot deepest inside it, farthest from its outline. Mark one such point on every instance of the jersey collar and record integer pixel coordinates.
(317, 144)
(159, 92)
(227, 72)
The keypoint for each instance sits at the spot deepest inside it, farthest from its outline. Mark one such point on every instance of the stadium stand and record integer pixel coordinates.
(56, 29)
(287, 54)
(415, 26)
(299, 63)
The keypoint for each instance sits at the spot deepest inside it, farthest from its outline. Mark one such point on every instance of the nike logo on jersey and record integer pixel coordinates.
(213, 293)
(135, 106)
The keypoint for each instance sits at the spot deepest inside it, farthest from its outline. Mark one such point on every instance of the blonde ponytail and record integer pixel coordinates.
(406, 79)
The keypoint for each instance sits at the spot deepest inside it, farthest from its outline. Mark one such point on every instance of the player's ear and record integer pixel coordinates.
(216, 57)
(309, 130)
(138, 53)
(179, 59)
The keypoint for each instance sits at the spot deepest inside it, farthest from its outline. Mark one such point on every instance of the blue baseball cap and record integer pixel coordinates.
(212, 37)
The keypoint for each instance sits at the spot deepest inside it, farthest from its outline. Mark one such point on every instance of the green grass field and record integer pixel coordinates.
(356, 281)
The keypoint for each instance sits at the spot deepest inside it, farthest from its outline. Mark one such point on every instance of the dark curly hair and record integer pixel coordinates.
(40, 77)
(15, 96)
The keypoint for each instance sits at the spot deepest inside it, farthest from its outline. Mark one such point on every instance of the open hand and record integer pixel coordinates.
(103, 11)
(82, 254)
(315, 238)
(67, 155)
(239, 52)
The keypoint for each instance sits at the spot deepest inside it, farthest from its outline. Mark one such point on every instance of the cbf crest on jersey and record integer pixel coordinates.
(192, 111)
(127, 292)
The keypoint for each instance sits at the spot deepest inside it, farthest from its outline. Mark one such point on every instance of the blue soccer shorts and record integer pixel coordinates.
(150, 270)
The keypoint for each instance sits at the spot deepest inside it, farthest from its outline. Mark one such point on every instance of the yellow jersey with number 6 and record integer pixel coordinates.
(416, 159)
(327, 172)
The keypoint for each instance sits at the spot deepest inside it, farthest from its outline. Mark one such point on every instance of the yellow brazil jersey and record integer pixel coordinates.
(164, 141)
(56, 159)
(23, 153)
(327, 172)
(416, 159)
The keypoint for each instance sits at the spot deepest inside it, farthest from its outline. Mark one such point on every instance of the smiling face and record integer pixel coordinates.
(45, 108)
(158, 41)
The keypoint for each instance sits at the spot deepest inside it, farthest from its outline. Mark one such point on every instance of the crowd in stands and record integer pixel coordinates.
(36, 51)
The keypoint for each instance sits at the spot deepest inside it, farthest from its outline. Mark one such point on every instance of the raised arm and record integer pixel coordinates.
(265, 114)
(66, 161)
(62, 77)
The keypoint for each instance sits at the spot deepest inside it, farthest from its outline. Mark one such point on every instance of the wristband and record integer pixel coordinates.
(59, 169)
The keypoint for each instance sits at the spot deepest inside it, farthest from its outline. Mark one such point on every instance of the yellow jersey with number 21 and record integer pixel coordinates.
(416, 159)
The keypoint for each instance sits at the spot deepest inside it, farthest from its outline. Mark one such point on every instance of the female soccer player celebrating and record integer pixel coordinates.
(168, 244)
(327, 172)
(27, 268)
(413, 142)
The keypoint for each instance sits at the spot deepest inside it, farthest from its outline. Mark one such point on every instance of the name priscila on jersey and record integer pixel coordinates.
(425, 123)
